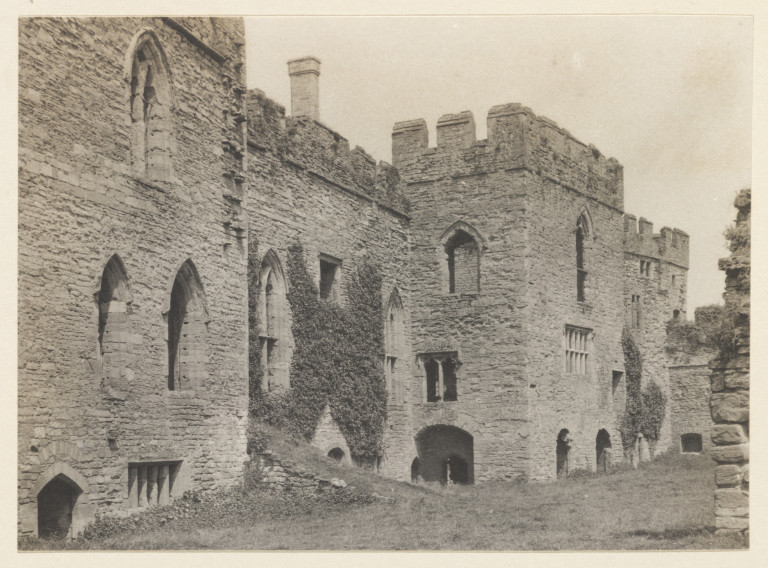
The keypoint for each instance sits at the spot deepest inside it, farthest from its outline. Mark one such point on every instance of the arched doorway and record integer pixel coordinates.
(446, 453)
(562, 451)
(602, 450)
(55, 505)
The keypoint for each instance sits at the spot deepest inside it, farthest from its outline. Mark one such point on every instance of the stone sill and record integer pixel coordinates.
(462, 295)
(186, 396)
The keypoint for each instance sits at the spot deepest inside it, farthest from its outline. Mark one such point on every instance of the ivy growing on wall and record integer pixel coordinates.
(337, 359)
(644, 412)
(255, 372)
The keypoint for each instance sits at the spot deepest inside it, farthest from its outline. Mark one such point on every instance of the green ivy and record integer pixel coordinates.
(337, 359)
(644, 412)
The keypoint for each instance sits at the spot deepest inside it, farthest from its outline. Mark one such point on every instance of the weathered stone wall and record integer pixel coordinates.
(656, 270)
(514, 395)
(689, 351)
(80, 202)
(584, 403)
(729, 401)
(224, 174)
(484, 329)
(305, 185)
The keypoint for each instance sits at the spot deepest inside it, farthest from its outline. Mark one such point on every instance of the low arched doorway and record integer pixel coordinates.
(602, 450)
(55, 505)
(446, 453)
(562, 450)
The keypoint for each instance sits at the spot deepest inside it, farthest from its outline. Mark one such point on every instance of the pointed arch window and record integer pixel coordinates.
(274, 329)
(187, 327)
(114, 310)
(394, 348)
(461, 246)
(583, 232)
(151, 99)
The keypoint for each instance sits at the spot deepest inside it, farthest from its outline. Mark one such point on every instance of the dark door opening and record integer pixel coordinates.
(602, 449)
(55, 504)
(455, 470)
(563, 447)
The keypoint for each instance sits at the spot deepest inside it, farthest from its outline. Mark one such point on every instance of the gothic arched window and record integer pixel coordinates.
(187, 326)
(461, 247)
(394, 348)
(583, 233)
(274, 329)
(114, 308)
(150, 107)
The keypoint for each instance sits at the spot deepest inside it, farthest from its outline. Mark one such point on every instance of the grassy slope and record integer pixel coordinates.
(667, 504)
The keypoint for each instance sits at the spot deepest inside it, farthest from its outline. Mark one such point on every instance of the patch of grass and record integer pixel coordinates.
(666, 504)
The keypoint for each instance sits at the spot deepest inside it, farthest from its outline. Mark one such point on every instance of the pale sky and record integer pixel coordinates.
(668, 96)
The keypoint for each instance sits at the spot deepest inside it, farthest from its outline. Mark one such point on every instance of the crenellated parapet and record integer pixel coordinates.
(670, 245)
(312, 146)
(517, 139)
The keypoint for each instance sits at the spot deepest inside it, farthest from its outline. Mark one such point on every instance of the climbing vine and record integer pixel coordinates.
(337, 360)
(644, 412)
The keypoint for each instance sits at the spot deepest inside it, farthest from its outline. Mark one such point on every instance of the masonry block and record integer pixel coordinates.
(730, 406)
(723, 434)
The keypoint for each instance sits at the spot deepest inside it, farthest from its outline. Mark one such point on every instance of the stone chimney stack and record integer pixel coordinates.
(305, 87)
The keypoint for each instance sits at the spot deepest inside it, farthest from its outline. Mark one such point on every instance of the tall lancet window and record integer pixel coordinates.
(274, 328)
(187, 328)
(394, 349)
(114, 308)
(583, 233)
(150, 108)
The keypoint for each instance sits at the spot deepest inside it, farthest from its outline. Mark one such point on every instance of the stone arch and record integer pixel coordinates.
(460, 249)
(151, 101)
(61, 501)
(584, 218)
(187, 327)
(274, 328)
(602, 450)
(114, 301)
(439, 447)
(394, 347)
(562, 452)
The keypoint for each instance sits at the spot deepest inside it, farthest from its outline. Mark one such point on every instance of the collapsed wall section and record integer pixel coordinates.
(729, 381)
(689, 350)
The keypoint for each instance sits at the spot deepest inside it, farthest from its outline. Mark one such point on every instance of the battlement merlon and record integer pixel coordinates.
(312, 146)
(670, 245)
(517, 138)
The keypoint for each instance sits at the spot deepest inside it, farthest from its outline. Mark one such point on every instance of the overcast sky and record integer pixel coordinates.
(668, 96)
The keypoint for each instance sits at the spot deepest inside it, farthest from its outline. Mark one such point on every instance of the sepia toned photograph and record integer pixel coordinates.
(384, 282)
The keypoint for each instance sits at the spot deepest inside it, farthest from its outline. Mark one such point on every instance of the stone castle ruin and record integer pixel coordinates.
(147, 170)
